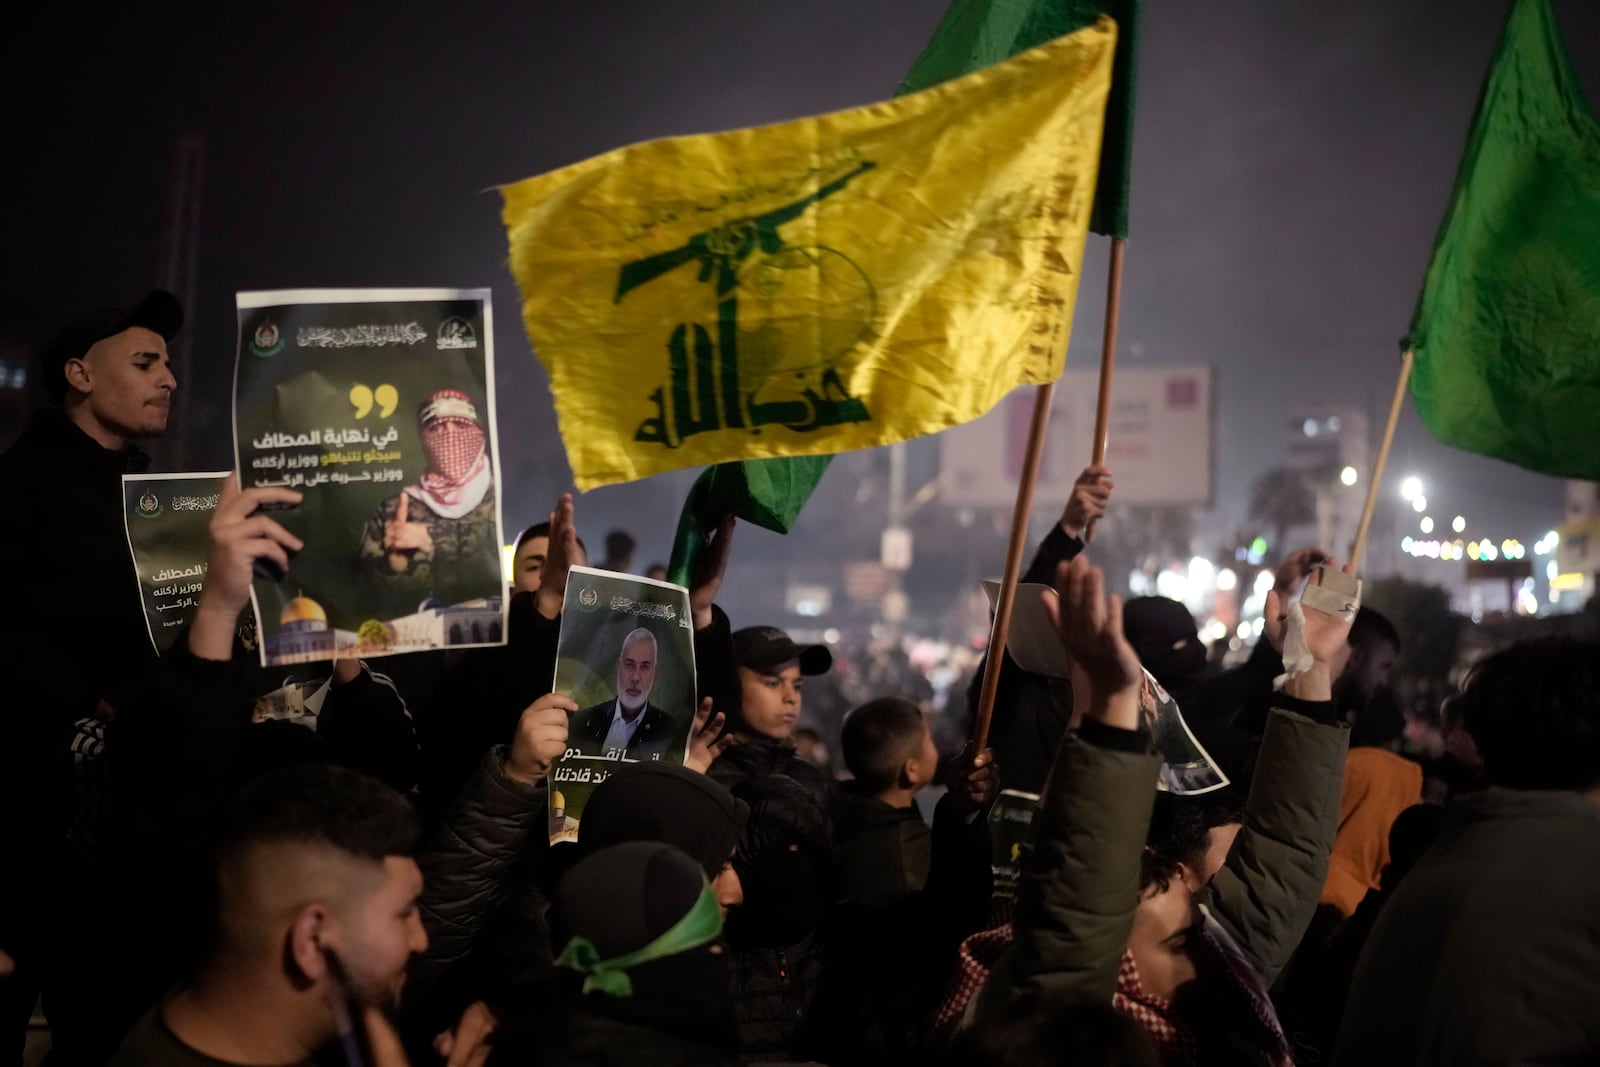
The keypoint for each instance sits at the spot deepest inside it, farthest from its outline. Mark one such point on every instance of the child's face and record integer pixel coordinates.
(926, 762)
(771, 699)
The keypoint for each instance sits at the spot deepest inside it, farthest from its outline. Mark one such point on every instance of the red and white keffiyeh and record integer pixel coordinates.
(458, 476)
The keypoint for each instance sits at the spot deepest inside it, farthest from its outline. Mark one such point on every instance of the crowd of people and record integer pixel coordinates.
(191, 880)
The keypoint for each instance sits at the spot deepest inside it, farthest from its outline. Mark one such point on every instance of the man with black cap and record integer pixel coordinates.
(75, 640)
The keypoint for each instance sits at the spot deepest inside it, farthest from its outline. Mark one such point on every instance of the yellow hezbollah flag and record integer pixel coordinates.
(832, 283)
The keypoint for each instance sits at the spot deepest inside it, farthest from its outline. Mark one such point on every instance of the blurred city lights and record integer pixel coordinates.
(1419, 503)
(1349, 475)
(1427, 524)
(1460, 524)
(1410, 488)
(1227, 579)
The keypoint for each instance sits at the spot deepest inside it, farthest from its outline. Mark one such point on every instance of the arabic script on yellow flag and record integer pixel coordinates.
(832, 283)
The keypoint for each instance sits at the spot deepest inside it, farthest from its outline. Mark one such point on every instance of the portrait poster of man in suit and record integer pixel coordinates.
(625, 656)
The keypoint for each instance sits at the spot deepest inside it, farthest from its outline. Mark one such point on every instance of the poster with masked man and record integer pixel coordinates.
(378, 406)
(626, 657)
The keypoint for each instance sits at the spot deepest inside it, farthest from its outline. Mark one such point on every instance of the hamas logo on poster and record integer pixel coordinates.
(588, 598)
(456, 333)
(149, 505)
(268, 340)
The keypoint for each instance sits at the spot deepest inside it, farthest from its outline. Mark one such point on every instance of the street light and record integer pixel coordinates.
(1427, 524)
(1460, 524)
(1348, 476)
(1419, 503)
(1410, 488)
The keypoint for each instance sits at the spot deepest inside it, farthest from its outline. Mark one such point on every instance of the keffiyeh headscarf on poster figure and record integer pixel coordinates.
(457, 476)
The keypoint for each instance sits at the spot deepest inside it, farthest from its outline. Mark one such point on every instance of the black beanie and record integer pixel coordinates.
(667, 803)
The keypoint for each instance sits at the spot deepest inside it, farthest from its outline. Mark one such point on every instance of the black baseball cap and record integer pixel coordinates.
(761, 647)
(158, 311)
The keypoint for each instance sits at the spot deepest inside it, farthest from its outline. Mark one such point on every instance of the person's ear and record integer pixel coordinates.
(909, 776)
(304, 951)
(77, 374)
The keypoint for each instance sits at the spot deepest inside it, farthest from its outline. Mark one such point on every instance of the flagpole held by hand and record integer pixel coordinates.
(1108, 359)
(1383, 457)
(1001, 630)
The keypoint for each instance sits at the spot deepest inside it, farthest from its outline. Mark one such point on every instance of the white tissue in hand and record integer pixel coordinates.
(1338, 594)
(1296, 656)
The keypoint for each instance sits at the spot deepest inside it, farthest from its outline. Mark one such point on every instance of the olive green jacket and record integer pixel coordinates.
(1080, 882)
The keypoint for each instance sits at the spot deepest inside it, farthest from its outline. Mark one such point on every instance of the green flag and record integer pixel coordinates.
(977, 33)
(1506, 334)
(973, 34)
(766, 492)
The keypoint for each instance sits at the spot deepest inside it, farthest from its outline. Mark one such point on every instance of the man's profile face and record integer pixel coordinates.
(527, 567)
(1375, 662)
(129, 382)
(382, 932)
(636, 672)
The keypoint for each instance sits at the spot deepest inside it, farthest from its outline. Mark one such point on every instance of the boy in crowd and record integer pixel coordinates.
(884, 846)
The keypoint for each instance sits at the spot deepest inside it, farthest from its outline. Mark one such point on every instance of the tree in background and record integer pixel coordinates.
(1430, 629)
(1282, 499)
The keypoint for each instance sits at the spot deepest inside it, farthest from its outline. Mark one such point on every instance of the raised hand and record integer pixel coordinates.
(387, 1051)
(974, 779)
(1089, 625)
(1091, 493)
(468, 1045)
(1291, 572)
(708, 572)
(239, 535)
(1326, 632)
(706, 740)
(1324, 629)
(558, 558)
(540, 739)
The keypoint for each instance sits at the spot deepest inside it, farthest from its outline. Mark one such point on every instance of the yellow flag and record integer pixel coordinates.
(832, 283)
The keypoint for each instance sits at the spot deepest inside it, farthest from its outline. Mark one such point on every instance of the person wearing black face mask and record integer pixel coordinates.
(1226, 711)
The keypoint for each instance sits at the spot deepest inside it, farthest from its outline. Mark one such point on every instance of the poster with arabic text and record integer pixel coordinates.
(378, 406)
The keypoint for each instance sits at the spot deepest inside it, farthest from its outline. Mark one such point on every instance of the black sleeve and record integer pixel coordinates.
(480, 700)
(465, 865)
(1058, 547)
(177, 752)
(367, 726)
(716, 667)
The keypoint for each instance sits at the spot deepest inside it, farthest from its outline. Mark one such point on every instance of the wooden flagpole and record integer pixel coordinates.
(1383, 458)
(1001, 629)
(1108, 359)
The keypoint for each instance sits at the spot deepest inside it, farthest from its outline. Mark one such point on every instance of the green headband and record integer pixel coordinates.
(701, 925)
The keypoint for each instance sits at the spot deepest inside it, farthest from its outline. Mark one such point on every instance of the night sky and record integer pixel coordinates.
(1292, 162)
